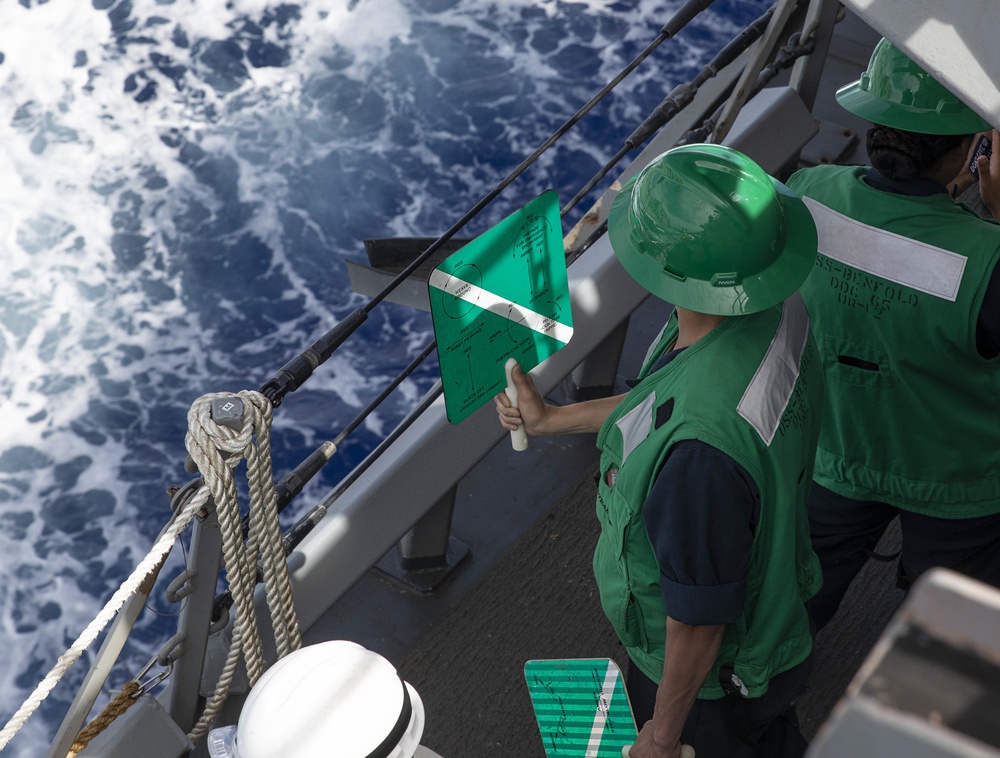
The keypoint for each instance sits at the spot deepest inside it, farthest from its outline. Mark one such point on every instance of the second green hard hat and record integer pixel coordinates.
(705, 228)
(898, 93)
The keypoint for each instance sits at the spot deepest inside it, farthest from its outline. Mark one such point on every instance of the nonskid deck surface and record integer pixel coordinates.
(541, 601)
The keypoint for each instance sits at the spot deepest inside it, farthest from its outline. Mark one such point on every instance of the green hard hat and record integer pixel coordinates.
(705, 228)
(898, 93)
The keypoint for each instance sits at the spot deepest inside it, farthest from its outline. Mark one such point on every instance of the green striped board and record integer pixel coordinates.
(581, 707)
(504, 294)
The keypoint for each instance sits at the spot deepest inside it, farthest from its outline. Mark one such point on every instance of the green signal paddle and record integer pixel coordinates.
(503, 296)
(581, 707)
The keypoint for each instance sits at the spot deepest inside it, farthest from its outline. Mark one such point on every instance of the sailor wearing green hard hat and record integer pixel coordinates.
(896, 92)
(708, 230)
(905, 303)
(703, 560)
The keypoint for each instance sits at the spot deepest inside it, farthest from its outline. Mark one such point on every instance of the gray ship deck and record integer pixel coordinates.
(527, 590)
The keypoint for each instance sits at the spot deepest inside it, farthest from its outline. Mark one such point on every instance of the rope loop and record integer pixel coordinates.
(217, 449)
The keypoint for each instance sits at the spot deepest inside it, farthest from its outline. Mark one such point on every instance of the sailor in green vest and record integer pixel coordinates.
(703, 562)
(905, 305)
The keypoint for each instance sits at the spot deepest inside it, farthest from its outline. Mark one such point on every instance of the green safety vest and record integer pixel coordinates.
(752, 389)
(913, 411)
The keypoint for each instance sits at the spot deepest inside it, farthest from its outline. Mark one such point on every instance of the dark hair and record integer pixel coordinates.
(906, 155)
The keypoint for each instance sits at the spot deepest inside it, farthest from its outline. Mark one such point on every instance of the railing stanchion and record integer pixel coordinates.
(427, 553)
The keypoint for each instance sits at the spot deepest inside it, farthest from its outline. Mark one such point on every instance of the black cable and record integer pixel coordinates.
(291, 376)
(293, 483)
(785, 57)
(677, 100)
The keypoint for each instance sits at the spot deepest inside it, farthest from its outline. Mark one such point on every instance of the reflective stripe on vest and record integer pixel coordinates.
(766, 396)
(764, 402)
(636, 424)
(891, 256)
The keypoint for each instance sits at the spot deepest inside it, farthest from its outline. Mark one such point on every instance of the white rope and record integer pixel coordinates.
(206, 442)
(124, 592)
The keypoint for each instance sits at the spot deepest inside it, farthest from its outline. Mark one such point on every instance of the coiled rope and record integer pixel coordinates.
(216, 451)
(207, 442)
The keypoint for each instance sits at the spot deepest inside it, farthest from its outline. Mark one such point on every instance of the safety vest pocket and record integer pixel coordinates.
(610, 512)
(611, 570)
(622, 609)
(847, 362)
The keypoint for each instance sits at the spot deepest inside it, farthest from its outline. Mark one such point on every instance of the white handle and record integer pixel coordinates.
(686, 751)
(518, 437)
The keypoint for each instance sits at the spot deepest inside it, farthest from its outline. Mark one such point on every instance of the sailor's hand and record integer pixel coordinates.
(965, 177)
(686, 751)
(645, 747)
(531, 408)
(989, 176)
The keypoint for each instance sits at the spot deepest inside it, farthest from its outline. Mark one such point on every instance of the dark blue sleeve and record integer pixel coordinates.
(700, 516)
(988, 326)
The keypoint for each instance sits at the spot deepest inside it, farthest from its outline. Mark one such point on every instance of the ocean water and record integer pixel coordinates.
(180, 183)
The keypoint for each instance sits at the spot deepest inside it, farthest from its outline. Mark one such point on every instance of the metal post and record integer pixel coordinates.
(195, 619)
(96, 677)
(427, 553)
(806, 73)
(762, 49)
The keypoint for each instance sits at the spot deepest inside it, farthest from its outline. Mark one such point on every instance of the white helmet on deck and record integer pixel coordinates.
(330, 699)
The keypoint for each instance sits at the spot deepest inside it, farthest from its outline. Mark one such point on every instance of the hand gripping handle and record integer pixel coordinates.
(518, 437)
(686, 751)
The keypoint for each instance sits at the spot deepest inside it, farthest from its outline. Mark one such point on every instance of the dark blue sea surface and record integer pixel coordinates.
(182, 181)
